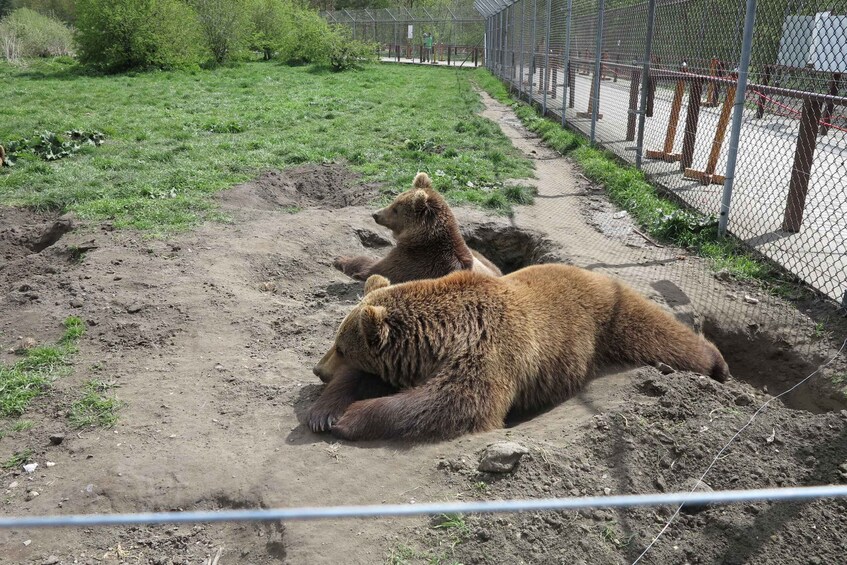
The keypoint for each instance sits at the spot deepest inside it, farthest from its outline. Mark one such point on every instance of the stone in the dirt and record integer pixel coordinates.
(30, 467)
(269, 286)
(665, 369)
(743, 400)
(50, 464)
(27, 542)
(30, 495)
(76, 303)
(501, 457)
(750, 299)
(694, 485)
(134, 307)
(372, 239)
(621, 214)
(52, 560)
(56, 439)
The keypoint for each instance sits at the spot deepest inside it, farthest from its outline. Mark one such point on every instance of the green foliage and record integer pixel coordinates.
(225, 25)
(64, 10)
(346, 53)
(17, 459)
(270, 20)
(95, 408)
(29, 377)
(161, 165)
(307, 40)
(118, 35)
(26, 33)
(51, 146)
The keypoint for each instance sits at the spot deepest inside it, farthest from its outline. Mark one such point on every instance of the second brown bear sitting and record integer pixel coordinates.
(429, 244)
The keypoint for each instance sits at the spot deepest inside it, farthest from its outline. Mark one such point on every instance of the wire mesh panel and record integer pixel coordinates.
(435, 34)
(786, 198)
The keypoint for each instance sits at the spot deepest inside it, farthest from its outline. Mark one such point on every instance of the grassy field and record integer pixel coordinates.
(175, 138)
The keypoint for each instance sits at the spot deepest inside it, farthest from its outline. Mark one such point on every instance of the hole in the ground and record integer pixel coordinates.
(764, 360)
(510, 247)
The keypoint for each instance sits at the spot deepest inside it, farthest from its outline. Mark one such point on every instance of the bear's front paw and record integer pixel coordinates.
(322, 418)
(340, 263)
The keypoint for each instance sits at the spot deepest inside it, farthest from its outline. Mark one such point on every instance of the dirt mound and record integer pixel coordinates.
(511, 247)
(23, 232)
(312, 186)
(662, 439)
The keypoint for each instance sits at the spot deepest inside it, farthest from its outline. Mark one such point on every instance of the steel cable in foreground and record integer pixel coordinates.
(435, 508)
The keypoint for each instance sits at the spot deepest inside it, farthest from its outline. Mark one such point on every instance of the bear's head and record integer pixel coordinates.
(412, 213)
(359, 338)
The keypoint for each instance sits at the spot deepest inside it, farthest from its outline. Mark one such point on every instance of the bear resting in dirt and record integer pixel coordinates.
(465, 349)
(429, 244)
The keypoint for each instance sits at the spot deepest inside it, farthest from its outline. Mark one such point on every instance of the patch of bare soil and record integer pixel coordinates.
(660, 439)
(323, 186)
(210, 337)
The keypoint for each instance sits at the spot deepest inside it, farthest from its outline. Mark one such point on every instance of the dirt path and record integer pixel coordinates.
(211, 336)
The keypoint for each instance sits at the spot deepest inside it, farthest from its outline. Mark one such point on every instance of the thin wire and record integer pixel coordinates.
(435, 508)
(724, 448)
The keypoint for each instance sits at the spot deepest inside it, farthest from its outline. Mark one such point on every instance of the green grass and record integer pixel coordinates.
(29, 377)
(17, 459)
(95, 408)
(627, 187)
(173, 139)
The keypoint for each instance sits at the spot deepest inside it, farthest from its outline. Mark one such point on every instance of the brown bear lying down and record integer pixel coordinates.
(429, 244)
(466, 349)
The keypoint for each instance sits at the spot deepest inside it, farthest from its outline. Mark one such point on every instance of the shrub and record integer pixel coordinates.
(344, 52)
(117, 35)
(26, 33)
(270, 20)
(226, 26)
(307, 39)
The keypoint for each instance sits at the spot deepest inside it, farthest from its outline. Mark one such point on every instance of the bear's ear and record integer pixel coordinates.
(420, 200)
(422, 180)
(373, 326)
(376, 282)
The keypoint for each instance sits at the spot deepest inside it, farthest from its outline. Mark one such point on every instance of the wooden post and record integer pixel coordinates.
(709, 176)
(449, 48)
(634, 83)
(651, 96)
(804, 156)
(604, 57)
(834, 83)
(666, 153)
(555, 80)
(571, 85)
(760, 104)
(692, 117)
(592, 100)
(615, 69)
(712, 89)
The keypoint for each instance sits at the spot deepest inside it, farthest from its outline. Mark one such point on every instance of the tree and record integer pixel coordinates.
(226, 25)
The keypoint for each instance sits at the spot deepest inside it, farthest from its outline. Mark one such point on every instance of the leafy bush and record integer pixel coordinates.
(226, 26)
(346, 53)
(307, 39)
(117, 35)
(270, 20)
(26, 33)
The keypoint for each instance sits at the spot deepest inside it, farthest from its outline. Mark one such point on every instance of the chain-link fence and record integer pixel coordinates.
(737, 110)
(441, 35)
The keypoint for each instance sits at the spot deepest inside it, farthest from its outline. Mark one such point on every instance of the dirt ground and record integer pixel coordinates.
(210, 338)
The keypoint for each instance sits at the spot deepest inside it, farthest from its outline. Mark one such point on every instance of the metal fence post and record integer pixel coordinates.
(523, 26)
(738, 114)
(567, 56)
(645, 82)
(601, 4)
(546, 78)
(532, 49)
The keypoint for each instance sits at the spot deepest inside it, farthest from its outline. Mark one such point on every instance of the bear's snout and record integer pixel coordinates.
(376, 216)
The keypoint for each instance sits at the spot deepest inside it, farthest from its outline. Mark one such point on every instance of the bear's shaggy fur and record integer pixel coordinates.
(429, 244)
(466, 349)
